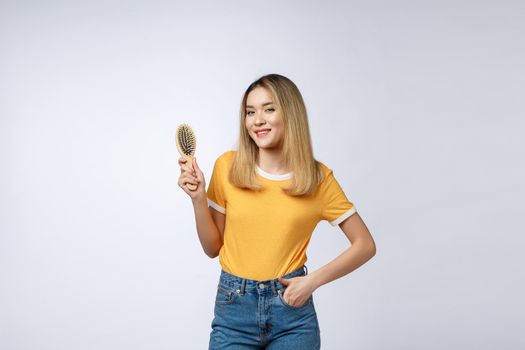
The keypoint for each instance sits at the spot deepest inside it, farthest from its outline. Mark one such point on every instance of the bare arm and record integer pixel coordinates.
(209, 222)
(361, 250)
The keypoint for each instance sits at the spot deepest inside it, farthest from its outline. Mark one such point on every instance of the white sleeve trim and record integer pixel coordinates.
(343, 217)
(216, 206)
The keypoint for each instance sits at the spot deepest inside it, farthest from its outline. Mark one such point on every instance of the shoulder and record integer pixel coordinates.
(326, 170)
(226, 157)
(328, 181)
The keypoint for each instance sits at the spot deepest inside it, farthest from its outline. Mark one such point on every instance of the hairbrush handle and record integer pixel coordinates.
(186, 145)
(191, 187)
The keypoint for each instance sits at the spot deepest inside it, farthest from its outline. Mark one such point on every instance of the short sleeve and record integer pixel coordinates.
(215, 193)
(335, 205)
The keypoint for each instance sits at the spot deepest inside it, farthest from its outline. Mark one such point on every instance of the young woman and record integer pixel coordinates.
(263, 202)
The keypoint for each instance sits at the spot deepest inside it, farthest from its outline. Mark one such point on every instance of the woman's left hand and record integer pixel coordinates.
(298, 289)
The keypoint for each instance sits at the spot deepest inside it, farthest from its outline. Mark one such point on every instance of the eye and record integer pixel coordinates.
(270, 109)
(249, 112)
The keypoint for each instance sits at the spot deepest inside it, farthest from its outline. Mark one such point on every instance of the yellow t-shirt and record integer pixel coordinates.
(266, 233)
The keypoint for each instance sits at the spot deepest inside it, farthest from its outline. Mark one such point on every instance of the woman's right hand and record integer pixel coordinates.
(196, 177)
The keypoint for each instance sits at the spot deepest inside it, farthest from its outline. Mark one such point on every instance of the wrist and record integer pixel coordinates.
(199, 200)
(314, 280)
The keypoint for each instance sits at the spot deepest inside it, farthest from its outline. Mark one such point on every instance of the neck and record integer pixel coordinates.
(272, 161)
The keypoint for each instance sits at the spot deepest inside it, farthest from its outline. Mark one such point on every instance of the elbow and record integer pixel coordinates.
(213, 253)
(367, 247)
(372, 249)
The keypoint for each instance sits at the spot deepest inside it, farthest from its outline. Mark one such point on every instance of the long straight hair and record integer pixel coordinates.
(296, 146)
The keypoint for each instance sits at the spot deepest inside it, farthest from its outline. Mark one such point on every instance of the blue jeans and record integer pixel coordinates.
(252, 314)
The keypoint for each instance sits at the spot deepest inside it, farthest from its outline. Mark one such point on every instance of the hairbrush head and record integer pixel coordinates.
(186, 144)
(186, 140)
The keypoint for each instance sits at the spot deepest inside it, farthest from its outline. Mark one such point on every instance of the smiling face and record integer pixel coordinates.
(263, 119)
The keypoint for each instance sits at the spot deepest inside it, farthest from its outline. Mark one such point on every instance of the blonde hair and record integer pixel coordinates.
(296, 147)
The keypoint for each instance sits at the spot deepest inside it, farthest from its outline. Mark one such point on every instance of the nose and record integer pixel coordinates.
(259, 119)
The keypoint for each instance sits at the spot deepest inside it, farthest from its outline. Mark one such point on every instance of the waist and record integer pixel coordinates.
(245, 284)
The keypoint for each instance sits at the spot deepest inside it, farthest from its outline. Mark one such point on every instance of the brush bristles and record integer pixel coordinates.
(186, 139)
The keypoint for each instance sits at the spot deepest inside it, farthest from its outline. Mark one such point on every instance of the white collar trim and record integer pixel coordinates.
(273, 176)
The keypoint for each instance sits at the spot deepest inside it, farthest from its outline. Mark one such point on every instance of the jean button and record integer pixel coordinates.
(261, 285)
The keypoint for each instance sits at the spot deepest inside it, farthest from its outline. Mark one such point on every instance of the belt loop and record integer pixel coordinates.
(243, 285)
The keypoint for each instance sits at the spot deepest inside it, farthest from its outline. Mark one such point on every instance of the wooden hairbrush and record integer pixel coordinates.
(186, 144)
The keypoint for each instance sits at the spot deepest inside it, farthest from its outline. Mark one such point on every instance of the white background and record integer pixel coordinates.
(417, 106)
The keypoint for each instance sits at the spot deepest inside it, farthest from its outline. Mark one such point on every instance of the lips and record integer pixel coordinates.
(262, 132)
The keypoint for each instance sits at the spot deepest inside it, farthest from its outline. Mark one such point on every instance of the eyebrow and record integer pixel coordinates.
(264, 104)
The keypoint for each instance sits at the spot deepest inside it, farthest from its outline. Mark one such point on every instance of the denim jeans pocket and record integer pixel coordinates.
(225, 295)
(280, 292)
